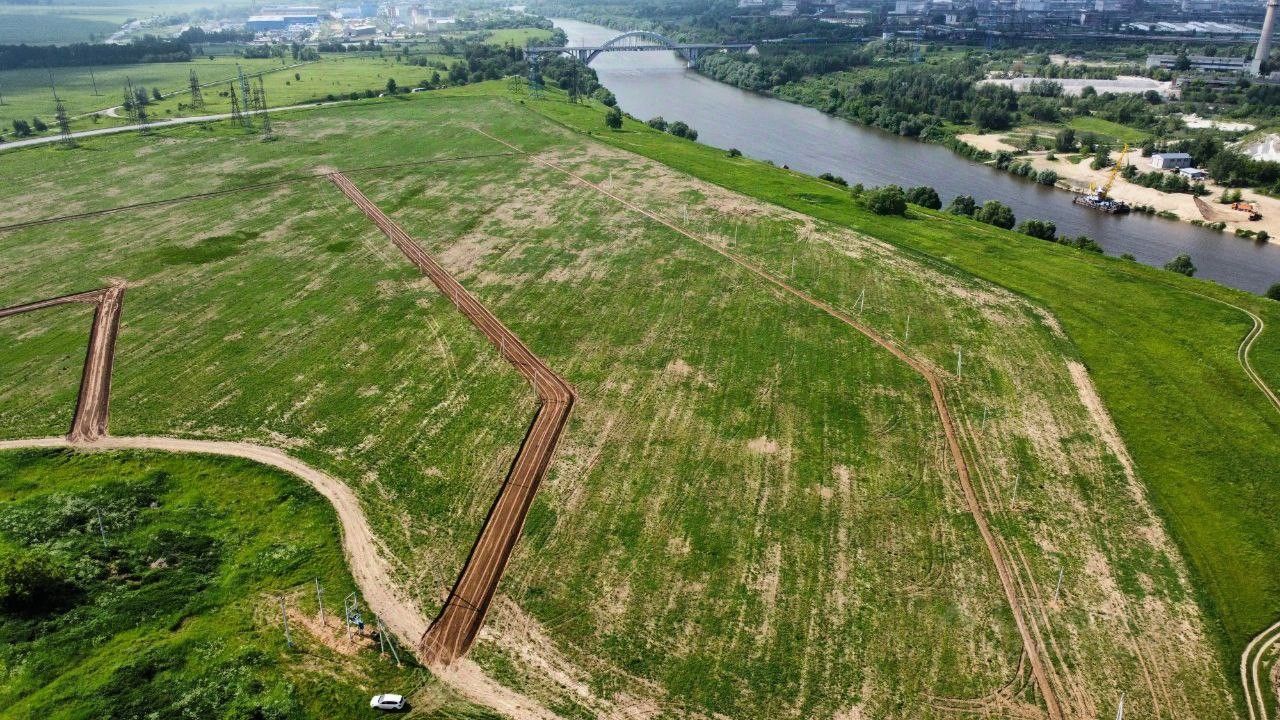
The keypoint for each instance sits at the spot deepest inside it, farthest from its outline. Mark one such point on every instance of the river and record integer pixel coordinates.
(804, 139)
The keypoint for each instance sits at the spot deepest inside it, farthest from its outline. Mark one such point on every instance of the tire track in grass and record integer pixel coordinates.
(1035, 650)
(455, 629)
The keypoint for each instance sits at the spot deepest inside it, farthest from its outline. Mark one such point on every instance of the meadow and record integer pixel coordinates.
(70, 21)
(172, 604)
(753, 511)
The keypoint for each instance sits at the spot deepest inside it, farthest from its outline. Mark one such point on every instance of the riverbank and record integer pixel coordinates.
(1076, 177)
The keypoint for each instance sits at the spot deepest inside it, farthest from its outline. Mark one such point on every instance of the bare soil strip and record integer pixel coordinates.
(456, 627)
(1035, 651)
(90, 419)
(239, 188)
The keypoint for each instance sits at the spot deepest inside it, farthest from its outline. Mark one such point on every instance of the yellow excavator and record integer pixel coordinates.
(1099, 198)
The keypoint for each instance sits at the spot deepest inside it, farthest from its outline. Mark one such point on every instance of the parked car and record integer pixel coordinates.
(388, 701)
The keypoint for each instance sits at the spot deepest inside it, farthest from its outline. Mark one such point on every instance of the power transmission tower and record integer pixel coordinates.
(236, 119)
(260, 99)
(197, 97)
(130, 102)
(64, 123)
(94, 80)
(247, 95)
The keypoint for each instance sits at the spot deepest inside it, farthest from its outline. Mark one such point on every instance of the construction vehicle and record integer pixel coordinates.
(1099, 198)
(1249, 208)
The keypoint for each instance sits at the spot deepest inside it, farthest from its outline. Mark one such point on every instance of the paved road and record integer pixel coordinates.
(14, 145)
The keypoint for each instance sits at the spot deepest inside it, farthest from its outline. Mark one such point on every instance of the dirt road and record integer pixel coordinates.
(90, 419)
(455, 628)
(1035, 651)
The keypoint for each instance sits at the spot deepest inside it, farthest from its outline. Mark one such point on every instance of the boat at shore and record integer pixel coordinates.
(1100, 201)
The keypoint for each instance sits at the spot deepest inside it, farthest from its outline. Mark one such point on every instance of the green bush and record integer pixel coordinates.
(994, 212)
(925, 197)
(887, 200)
(1181, 265)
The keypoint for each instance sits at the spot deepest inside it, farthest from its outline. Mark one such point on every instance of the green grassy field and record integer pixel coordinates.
(176, 611)
(518, 37)
(752, 512)
(1164, 358)
(1111, 130)
(27, 94)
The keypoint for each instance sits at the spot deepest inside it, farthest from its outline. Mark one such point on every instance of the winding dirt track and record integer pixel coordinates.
(1035, 651)
(1255, 685)
(455, 628)
(92, 404)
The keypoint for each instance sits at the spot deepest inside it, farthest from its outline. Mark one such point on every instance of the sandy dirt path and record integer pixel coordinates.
(1035, 651)
(459, 622)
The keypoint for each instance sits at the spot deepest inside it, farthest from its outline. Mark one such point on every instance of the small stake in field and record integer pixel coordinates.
(1120, 710)
(1016, 480)
(1058, 590)
(284, 617)
(102, 528)
(906, 336)
(862, 300)
(320, 600)
(959, 363)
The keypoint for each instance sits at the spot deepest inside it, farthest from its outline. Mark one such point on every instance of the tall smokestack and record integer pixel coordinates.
(1264, 40)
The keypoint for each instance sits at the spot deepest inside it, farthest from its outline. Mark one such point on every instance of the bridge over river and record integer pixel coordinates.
(635, 41)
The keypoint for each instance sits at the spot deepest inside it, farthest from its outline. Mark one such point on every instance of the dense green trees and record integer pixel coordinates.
(963, 205)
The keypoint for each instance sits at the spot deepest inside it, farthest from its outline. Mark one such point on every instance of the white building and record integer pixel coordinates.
(1170, 161)
(1191, 173)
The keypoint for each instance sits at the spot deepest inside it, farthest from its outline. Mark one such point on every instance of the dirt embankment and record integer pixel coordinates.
(456, 627)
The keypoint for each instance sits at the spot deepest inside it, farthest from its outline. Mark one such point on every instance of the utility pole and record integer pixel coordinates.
(385, 641)
(284, 617)
(1058, 590)
(94, 80)
(1120, 710)
(906, 337)
(959, 363)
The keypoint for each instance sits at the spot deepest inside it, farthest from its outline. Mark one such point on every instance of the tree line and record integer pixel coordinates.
(144, 50)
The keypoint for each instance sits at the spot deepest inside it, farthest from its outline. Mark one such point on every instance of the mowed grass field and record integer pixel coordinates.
(752, 513)
(176, 611)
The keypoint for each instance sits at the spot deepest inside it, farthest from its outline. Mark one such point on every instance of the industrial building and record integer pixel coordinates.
(1170, 161)
(281, 18)
(1203, 63)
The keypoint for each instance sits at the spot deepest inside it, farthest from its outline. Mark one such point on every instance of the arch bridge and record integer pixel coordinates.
(634, 41)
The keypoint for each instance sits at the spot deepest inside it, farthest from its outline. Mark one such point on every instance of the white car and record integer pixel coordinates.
(389, 701)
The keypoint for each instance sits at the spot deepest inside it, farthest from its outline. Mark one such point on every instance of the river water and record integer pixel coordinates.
(658, 83)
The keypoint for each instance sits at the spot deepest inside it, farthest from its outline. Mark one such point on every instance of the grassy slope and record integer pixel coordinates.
(44, 349)
(1206, 442)
(198, 633)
